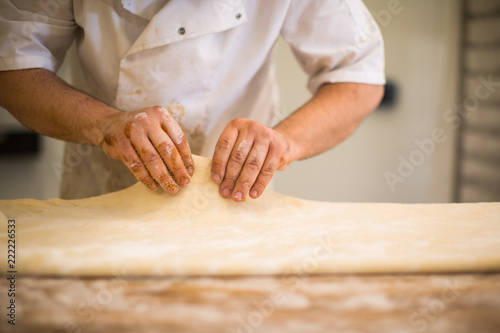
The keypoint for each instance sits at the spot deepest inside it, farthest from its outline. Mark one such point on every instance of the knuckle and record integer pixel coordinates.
(267, 172)
(166, 148)
(146, 179)
(140, 119)
(229, 180)
(253, 164)
(109, 139)
(177, 170)
(190, 168)
(238, 122)
(129, 158)
(259, 185)
(135, 166)
(238, 157)
(267, 135)
(217, 165)
(152, 158)
(183, 143)
(223, 145)
(129, 128)
(157, 108)
(254, 126)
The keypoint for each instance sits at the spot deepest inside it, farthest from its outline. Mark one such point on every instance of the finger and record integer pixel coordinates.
(171, 157)
(155, 165)
(222, 151)
(266, 173)
(234, 166)
(177, 136)
(250, 172)
(135, 165)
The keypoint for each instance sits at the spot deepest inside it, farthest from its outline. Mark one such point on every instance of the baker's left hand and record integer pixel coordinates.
(246, 157)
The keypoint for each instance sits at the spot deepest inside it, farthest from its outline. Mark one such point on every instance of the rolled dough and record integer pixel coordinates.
(136, 232)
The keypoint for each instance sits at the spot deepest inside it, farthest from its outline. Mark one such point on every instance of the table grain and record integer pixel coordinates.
(296, 303)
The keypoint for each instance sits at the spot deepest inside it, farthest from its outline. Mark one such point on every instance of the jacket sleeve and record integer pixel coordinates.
(335, 41)
(35, 34)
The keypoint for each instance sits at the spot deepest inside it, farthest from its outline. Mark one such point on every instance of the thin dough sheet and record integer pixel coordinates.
(137, 232)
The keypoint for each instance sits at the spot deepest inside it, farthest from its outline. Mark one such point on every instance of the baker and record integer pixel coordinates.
(155, 81)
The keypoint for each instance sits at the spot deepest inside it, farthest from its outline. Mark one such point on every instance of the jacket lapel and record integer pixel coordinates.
(179, 20)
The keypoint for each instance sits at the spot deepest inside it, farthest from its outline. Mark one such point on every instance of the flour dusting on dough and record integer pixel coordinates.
(197, 232)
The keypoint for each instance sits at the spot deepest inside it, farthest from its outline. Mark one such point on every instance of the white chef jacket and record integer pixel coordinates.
(208, 61)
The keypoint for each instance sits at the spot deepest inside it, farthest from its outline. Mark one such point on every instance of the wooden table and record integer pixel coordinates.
(325, 303)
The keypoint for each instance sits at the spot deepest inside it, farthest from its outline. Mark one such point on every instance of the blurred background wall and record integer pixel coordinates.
(30, 175)
(389, 158)
(421, 44)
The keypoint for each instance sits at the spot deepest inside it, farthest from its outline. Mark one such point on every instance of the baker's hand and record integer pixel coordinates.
(152, 145)
(246, 157)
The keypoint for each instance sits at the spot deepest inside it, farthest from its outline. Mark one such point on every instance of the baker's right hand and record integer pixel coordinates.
(152, 145)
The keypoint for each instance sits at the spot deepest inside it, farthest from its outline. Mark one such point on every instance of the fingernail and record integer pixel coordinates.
(190, 170)
(255, 194)
(226, 192)
(238, 195)
(185, 181)
(216, 177)
(152, 186)
(171, 187)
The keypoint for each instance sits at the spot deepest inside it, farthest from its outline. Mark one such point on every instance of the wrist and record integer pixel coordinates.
(104, 120)
(293, 146)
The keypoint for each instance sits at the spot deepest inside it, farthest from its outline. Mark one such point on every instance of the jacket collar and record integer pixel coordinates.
(177, 20)
(144, 8)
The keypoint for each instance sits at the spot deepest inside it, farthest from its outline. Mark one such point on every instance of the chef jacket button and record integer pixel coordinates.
(181, 31)
(127, 2)
(238, 16)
